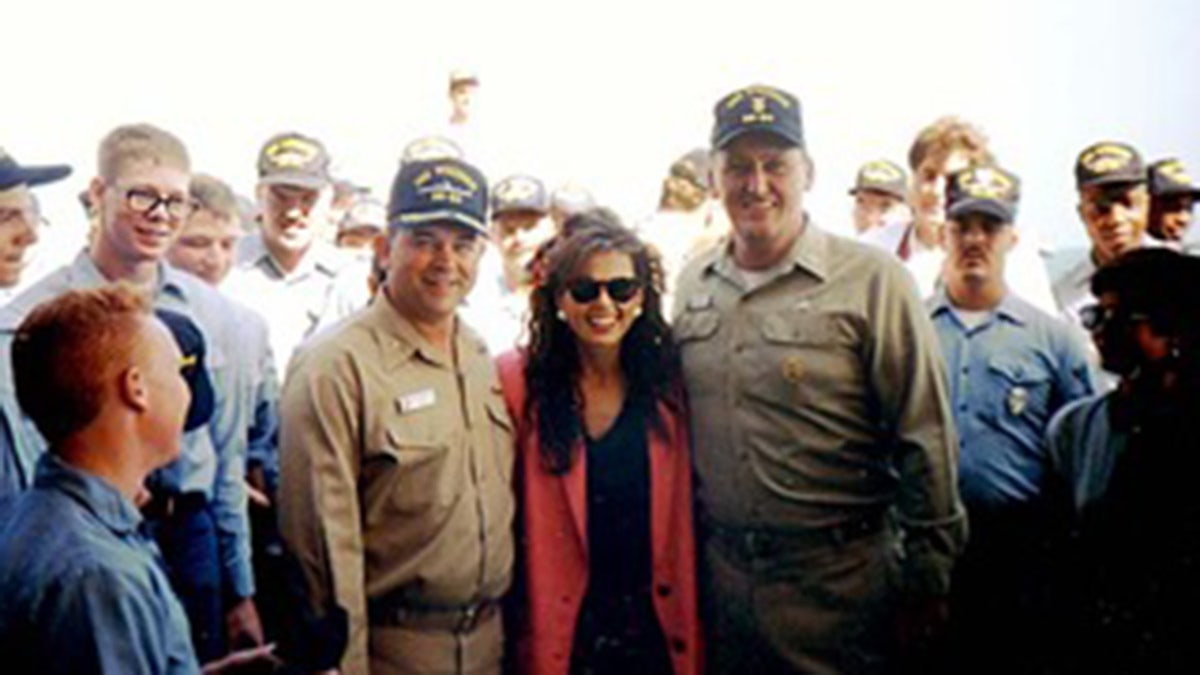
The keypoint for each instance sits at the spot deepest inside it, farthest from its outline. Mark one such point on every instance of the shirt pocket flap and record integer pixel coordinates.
(695, 325)
(1018, 371)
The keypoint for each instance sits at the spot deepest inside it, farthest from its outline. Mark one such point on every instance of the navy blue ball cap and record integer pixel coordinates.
(757, 108)
(13, 173)
(192, 367)
(439, 191)
(985, 189)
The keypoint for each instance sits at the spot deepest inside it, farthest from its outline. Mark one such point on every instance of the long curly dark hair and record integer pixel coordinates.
(649, 357)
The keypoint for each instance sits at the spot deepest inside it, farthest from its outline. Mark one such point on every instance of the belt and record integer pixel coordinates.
(167, 504)
(460, 619)
(759, 542)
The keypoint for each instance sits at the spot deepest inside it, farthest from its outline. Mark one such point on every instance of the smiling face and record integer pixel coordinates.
(431, 269)
(1171, 216)
(600, 323)
(761, 180)
(292, 216)
(130, 236)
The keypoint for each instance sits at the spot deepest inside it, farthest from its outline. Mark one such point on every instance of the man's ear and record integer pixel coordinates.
(132, 389)
(96, 195)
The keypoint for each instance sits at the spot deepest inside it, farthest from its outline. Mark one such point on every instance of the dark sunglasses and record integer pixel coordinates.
(584, 291)
(1095, 317)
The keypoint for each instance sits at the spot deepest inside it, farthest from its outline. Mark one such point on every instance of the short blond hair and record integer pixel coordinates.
(134, 143)
(215, 196)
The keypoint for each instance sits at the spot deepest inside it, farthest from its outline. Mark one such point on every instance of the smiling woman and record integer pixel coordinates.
(603, 449)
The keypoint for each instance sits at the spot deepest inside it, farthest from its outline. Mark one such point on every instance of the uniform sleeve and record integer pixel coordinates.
(101, 621)
(319, 512)
(910, 387)
(263, 434)
(1076, 378)
(228, 432)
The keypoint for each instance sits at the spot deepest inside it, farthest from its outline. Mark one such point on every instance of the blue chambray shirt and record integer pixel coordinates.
(1008, 376)
(84, 591)
(213, 459)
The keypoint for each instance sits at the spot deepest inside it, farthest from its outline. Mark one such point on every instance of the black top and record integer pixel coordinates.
(618, 631)
(618, 506)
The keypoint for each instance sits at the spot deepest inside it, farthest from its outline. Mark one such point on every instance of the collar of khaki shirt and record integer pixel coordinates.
(405, 342)
(810, 253)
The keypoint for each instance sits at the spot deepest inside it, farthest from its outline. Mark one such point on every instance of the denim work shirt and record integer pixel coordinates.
(1008, 376)
(213, 459)
(84, 591)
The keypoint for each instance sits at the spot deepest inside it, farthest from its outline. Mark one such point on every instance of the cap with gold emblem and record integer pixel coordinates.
(291, 158)
(881, 176)
(1109, 163)
(439, 191)
(757, 108)
(984, 189)
(519, 193)
(1170, 177)
(430, 147)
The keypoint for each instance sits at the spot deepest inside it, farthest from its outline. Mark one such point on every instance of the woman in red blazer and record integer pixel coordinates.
(607, 578)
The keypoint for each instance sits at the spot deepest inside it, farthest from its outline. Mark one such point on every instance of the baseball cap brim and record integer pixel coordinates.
(448, 216)
(304, 180)
(988, 207)
(34, 175)
(1176, 190)
(897, 193)
(1114, 179)
(733, 134)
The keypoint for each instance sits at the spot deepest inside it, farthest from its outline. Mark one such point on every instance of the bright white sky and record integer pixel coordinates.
(604, 93)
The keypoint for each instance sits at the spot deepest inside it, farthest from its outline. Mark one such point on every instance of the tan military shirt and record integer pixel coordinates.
(818, 397)
(395, 470)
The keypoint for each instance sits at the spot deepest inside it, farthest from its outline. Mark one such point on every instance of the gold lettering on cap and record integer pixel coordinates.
(1106, 158)
(291, 153)
(880, 172)
(984, 183)
(1175, 172)
(515, 190)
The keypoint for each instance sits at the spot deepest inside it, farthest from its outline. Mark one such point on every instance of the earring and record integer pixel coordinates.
(561, 316)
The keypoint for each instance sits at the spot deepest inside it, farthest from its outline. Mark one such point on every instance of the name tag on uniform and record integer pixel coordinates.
(699, 302)
(416, 400)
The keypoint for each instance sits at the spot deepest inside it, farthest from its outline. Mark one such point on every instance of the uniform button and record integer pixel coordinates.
(965, 370)
(962, 407)
(739, 348)
(566, 599)
(664, 590)
(558, 656)
(678, 645)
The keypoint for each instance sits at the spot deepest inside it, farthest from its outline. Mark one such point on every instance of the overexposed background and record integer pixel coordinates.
(603, 93)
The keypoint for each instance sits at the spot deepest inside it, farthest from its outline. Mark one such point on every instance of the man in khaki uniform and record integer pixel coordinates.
(824, 446)
(396, 450)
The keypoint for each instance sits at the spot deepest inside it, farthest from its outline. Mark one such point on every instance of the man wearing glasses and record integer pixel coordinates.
(396, 450)
(825, 450)
(197, 503)
(1011, 367)
(285, 271)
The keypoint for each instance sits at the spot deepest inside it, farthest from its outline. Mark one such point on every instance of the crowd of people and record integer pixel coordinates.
(486, 426)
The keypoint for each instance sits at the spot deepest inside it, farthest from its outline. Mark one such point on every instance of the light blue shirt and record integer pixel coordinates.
(1008, 376)
(84, 591)
(213, 458)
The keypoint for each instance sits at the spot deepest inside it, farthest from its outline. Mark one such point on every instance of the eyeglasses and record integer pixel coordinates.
(1095, 317)
(146, 201)
(623, 289)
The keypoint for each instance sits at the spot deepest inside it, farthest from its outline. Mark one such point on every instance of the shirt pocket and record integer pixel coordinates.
(807, 357)
(1018, 395)
(423, 471)
(696, 325)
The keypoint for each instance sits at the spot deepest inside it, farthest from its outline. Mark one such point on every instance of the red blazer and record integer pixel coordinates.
(554, 574)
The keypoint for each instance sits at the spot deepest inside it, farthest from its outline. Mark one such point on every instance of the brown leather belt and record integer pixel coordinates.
(461, 619)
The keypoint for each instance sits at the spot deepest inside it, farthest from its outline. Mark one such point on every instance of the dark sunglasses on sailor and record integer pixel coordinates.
(1094, 317)
(621, 289)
